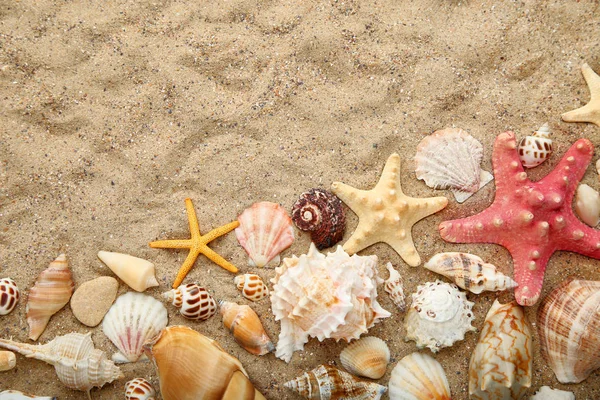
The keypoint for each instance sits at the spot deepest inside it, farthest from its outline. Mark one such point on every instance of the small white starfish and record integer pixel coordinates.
(591, 111)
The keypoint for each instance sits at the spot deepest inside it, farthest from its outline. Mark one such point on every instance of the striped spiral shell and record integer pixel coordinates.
(9, 295)
(193, 301)
(139, 389)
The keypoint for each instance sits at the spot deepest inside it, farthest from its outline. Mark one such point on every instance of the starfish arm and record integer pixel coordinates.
(356, 199)
(362, 238)
(507, 165)
(528, 271)
(192, 218)
(390, 177)
(474, 229)
(581, 239)
(405, 247)
(217, 259)
(220, 231)
(421, 208)
(591, 111)
(171, 244)
(185, 268)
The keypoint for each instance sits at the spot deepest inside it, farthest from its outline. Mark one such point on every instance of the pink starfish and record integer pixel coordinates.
(531, 219)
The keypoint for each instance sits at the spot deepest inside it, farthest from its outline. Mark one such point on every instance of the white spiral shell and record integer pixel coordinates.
(535, 149)
(394, 287)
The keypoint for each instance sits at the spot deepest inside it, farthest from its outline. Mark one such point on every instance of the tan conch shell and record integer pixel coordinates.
(51, 292)
(246, 328)
(251, 286)
(501, 364)
(439, 315)
(547, 393)
(419, 376)
(587, 204)
(368, 357)
(77, 363)
(192, 366)
(469, 272)
(136, 272)
(194, 301)
(139, 389)
(569, 329)
(9, 295)
(328, 383)
(394, 287)
(8, 360)
(16, 395)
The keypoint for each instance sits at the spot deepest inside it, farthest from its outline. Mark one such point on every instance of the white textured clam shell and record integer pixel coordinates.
(451, 159)
(9, 295)
(368, 357)
(252, 286)
(333, 296)
(139, 389)
(587, 205)
(439, 315)
(133, 319)
(418, 377)
(16, 395)
(469, 272)
(394, 287)
(535, 149)
(547, 393)
(265, 231)
(136, 272)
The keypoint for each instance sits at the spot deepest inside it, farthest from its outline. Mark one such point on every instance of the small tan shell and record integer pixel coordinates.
(139, 389)
(419, 376)
(366, 357)
(246, 328)
(51, 292)
(587, 205)
(136, 272)
(9, 295)
(394, 287)
(8, 360)
(194, 302)
(251, 286)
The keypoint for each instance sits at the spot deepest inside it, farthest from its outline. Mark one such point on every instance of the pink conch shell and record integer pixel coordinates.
(265, 231)
(193, 301)
(251, 286)
(9, 295)
(531, 219)
(394, 287)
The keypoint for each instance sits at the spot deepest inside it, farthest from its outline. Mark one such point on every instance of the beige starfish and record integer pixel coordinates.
(386, 214)
(591, 111)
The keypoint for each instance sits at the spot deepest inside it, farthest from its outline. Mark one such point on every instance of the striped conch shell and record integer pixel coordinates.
(136, 272)
(9, 295)
(194, 301)
(51, 292)
(251, 286)
(469, 272)
(393, 286)
(246, 328)
(419, 376)
(139, 389)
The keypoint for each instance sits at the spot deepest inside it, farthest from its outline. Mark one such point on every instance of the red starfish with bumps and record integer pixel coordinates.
(531, 219)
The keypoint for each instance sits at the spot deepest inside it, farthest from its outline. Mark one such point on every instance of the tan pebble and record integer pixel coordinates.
(92, 300)
(8, 360)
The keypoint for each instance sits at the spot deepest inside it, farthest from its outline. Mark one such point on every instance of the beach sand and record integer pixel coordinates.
(113, 112)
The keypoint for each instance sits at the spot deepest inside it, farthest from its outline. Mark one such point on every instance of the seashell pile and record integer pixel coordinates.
(251, 286)
(535, 149)
(326, 382)
(469, 272)
(133, 319)
(547, 393)
(394, 287)
(366, 357)
(587, 205)
(450, 159)
(265, 231)
(77, 363)
(16, 395)
(419, 377)
(51, 292)
(246, 328)
(194, 302)
(333, 296)
(8, 360)
(439, 315)
(139, 389)
(175, 354)
(569, 330)
(136, 272)
(9, 295)
(501, 364)
(320, 212)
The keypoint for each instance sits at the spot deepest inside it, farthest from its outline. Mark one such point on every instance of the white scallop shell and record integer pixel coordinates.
(418, 377)
(194, 301)
(393, 286)
(368, 357)
(139, 389)
(439, 315)
(469, 272)
(587, 205)
(535, 149)
(265, 231)
(133, 319)
(547, 393)
(9, 295)
(450, 159)
(251, 286)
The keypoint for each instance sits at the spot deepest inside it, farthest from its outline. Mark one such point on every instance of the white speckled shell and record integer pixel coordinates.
(139, 389)
(9, 295)
(368, 357)
(419, 377)
(587, 205)
(251, 286)
(501, 364)
(194, 301)
(333, 296)
(439, 315)
(394, 287)
(133, 319)
(450, 159)
(469, 272)
(547, 393)
(535, 149)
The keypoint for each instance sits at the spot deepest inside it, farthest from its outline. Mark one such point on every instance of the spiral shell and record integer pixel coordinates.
(194, 302)
(320, 212)
(51, 292)
(535, 149)
(9, 295)
(139, 389)
(394, 287)
(251, 286)
(419, 377)
(368, 357)
(246, 328)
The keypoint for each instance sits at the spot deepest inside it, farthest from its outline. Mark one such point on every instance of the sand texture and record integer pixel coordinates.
(113, 112)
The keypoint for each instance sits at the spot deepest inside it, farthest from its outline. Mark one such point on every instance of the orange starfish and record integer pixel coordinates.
(197, 244)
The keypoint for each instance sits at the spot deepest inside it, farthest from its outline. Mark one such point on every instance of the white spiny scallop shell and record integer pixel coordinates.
(418, 377)
(251, 286)
(439, 315)
(535, 149)
(194, 301)
(9, 295)
(587, 205)
(265, 231)
(547, 393)
(368, 357)
(16, 395)
(139, 389)
(450, 159)
(469, 272)
(394, 287)
(133, 319)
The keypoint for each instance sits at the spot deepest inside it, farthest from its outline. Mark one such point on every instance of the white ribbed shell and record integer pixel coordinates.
(418, 377)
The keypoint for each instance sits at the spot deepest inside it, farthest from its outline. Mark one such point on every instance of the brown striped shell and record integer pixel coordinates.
(320, 212)
(193, 301)
(9, 295)
(139, 389)
(251, 286)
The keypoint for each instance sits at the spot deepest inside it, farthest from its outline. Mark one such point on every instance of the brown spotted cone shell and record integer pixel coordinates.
(9, 295)
(320, 212)
(139, 389)
(193, 301)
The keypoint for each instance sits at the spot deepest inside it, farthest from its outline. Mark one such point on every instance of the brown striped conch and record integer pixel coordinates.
(251, 286)
(193, 301)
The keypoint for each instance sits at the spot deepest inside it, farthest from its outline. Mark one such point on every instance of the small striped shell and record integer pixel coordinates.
(393, 286)
(469, 272)
(194, 302)
(419, 377)
(139, 389)
(368, 357)
(535, 149)
(251, 286)
(9, 295)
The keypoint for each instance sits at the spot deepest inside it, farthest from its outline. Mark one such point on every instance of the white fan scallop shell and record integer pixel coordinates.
(133, 319)
(368, 357)
(418, 377)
